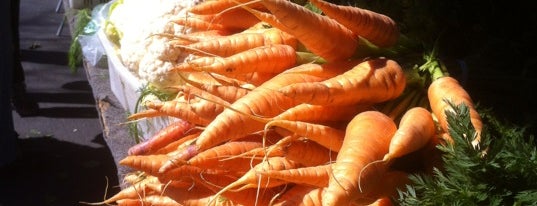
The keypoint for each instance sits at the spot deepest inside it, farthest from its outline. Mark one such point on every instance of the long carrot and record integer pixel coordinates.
(263, 100)
(326, 136)
(371, 81)
(170, 133)
(146, 163)
(416, 129)
(449, 89)
(281, 56)
(239, 42)
(377, 28)
(314, 175)
(172, 146)
(213, 158)
(319, 34)
(367, 139)
(322, 113)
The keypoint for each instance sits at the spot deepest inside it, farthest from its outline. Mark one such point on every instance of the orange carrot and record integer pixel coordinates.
(213, 158)
(449, 89)
(281, 56)
(239, 42)
(263, 100)
(301, 195)
(174, 131)
(372, 81)
(218, 6)
(252, 179)
(416, 129)
(172, 108)
(314, 175)
(326, 136)
(235, 20)
(137, 190)
(319, 34)
(387, 186)
(377, 28)
(367, 139)
(172, 146)
(145, 163)
(228, 93)
(322, 113)
(309, 153)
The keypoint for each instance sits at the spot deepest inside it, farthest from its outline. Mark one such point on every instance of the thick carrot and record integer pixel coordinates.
(263, 100)
(449, 89)
(391, 182)
(372, 81)
(326, 136)
(416, 129)
(319, 34)
(239, 42)
(174, 131)
(367, 139)
(377, 28)
(314, 175)
(281, 56)
(309, 153)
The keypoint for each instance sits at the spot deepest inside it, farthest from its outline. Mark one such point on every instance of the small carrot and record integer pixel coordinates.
(301, 195)
(319, 34)
(416, 129)
(172, 108)
(281, 56)
(252, 179)
(373, 81)
(446, 89)
(131, 192)
(170, 133)
(172, 146)
(146, 163)
(377, 28)
(367, 139)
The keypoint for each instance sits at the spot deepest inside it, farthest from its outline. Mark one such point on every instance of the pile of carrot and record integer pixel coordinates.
(284, 106)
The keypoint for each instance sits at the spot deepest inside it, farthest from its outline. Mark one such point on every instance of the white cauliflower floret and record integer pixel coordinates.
(142, 50)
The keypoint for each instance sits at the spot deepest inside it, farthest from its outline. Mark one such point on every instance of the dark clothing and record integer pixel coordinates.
(8, 136)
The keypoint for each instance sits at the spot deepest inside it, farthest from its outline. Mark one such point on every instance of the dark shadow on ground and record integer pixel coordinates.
(64, 97)
(58, 173)
(44, 57)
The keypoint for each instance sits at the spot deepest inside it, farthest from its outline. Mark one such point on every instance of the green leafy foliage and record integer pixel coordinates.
(74, 55)
(501, 170)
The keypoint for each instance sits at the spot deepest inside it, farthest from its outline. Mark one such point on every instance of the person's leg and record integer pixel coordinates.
(8, 136)
(24, 105)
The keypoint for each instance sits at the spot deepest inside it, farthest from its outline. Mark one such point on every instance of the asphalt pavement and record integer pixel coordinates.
(63, 158)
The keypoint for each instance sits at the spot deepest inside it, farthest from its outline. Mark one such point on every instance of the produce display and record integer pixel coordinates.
(279, 103)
